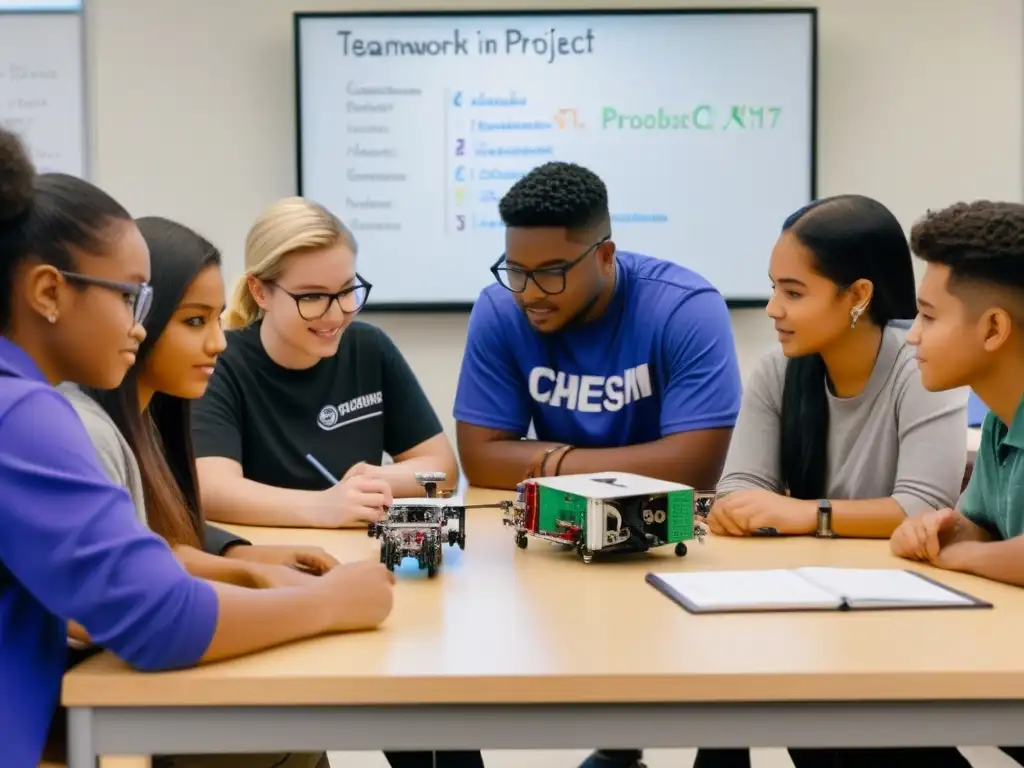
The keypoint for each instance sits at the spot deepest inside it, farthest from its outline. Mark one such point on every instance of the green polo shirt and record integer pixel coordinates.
(994, 498)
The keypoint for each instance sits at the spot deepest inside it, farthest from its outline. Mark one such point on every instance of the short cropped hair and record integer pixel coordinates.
(981, 241)
(556, 194)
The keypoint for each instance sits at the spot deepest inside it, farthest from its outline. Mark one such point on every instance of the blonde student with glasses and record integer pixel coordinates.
(301, 378)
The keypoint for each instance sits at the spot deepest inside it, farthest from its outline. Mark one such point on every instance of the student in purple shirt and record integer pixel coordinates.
(73, 291)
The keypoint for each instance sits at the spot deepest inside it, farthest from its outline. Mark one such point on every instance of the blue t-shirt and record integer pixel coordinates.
(660, 360)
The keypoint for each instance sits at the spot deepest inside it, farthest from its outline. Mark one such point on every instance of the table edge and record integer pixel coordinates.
(103, 690)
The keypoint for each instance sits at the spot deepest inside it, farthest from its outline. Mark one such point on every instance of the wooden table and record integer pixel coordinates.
(507, 648)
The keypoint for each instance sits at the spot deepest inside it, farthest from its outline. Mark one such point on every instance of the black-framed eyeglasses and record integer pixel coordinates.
(551, 280)
(314, 305)
(138, 296)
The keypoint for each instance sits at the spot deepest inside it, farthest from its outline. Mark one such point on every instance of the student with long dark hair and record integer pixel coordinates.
(74, 289)
(835, 426)
(174, 365)
(141, 429)
(837, 412)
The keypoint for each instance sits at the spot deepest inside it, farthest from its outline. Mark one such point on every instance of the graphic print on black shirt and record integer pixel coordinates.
(349, 408)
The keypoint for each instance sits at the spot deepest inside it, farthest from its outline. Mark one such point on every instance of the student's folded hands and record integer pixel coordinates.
(745, 513)
(941, 538)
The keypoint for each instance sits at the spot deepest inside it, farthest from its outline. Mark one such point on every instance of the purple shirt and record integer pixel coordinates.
(72, 548)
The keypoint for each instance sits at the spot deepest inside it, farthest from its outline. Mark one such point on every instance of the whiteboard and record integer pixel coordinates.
(412, 126)
(42, 85)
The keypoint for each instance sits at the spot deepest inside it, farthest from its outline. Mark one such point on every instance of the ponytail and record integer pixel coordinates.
(242, 310)
(804, 432)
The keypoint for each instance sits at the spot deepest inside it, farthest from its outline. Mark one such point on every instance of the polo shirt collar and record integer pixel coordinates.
(1013, 435)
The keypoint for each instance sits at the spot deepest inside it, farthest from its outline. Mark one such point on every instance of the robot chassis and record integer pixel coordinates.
(419, 528)
(571, 534)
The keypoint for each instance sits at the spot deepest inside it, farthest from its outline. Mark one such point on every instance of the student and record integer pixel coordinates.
(300, 377)
(837, 412)
(173, 367)
(141, 429)
(620, 361)
(74, 274)
(968, 334)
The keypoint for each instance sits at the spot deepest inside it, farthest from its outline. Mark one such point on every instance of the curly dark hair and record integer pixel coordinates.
(979, 241)
(556, 194)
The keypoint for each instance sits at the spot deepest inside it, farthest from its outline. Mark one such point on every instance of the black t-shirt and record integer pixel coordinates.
(349, 408)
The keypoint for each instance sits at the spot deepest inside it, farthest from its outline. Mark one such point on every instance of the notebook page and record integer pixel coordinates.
(748, 590)
(881, 586)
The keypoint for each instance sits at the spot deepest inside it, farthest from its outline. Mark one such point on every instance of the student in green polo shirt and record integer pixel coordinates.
(970, 332)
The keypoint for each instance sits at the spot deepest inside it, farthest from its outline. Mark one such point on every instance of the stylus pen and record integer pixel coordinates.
(321, 469)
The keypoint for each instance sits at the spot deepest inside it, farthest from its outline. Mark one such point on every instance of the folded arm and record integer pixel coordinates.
(975, 545)
(997, 560)
(496, 459)
(72, 539)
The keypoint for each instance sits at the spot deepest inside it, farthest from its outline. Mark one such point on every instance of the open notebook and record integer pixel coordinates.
(807, 589)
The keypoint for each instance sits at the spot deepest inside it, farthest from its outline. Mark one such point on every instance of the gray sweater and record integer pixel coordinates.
(121, 466)
(893, 439)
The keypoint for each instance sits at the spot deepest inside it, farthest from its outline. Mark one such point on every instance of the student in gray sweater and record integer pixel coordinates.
(836, 417)
(837, 412)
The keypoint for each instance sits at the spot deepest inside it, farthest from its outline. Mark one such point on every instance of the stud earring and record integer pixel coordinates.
(52, 319)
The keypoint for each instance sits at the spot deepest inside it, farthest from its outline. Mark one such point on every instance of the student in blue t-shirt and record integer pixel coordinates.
(620, 361)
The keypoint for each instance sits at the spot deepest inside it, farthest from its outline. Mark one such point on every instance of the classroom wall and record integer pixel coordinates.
(192, 116)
